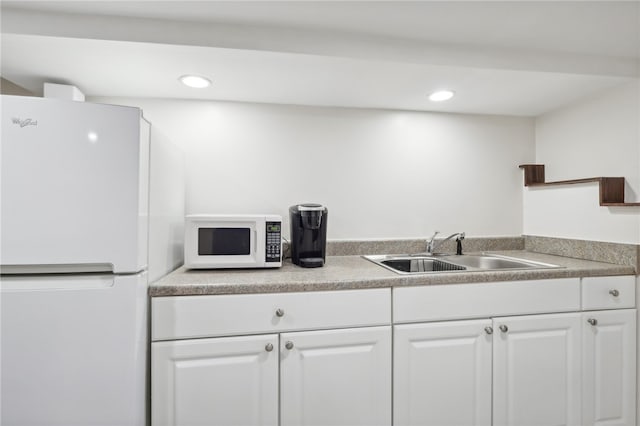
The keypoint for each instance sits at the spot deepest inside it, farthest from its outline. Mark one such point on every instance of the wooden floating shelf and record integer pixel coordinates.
(611, 188)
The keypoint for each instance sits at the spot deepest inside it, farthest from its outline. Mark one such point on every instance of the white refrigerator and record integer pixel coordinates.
(74, 231)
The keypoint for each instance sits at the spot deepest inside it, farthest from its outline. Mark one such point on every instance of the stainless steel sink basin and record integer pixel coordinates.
(420, 264)
(493, 262)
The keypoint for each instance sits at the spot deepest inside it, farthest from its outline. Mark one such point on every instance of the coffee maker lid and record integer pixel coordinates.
(310, 207)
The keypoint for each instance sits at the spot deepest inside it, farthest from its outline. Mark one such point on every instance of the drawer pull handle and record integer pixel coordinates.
(488, 330)
(504, 328)
(269, 347)
(592, 321)
(289, 345)
(280, 312)
(614, 293)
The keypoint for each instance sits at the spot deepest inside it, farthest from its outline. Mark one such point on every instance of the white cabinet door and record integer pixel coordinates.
(221, 381)
(442, 373)
(537, 370)
(609, 354)
(336, 377)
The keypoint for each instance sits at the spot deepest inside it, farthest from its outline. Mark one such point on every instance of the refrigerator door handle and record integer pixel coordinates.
(54, 283)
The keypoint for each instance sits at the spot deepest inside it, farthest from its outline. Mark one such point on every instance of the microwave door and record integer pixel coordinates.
(232, 245)
(224, 241)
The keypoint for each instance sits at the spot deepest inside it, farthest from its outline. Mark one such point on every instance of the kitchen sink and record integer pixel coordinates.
(421, 264)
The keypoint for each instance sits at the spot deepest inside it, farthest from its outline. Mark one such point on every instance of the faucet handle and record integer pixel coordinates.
(433, 237)
(459, 239)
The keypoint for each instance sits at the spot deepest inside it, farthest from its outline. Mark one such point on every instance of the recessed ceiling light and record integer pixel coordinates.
(441, 95)
(195, 81)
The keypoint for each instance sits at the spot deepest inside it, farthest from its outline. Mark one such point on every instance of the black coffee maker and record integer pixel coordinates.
(308, 234)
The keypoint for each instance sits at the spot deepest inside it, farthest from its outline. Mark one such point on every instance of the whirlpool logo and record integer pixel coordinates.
(24, 122)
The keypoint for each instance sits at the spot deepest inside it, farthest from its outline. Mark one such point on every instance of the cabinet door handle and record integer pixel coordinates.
(614, 292)
(503, 328)
(289, 345)
(279, 312)
(488, 330)
(269, 347)
(592, 321)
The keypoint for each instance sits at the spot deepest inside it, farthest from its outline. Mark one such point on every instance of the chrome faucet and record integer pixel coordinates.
(432, 244)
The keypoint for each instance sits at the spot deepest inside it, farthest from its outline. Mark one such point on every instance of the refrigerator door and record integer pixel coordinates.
(74, 185)
(73, 350)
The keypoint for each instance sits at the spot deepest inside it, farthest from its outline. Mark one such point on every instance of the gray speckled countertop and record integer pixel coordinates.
(354, 272)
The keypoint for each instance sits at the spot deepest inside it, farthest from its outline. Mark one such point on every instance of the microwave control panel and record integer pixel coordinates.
(274, 241)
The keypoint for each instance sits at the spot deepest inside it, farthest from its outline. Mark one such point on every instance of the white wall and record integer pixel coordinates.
(599, 136)
(382, 174)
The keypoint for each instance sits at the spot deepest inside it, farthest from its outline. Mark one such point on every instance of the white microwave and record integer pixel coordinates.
(233, 241)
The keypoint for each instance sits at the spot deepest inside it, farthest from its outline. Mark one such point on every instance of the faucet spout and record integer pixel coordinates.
(431, 241)
(433, 245)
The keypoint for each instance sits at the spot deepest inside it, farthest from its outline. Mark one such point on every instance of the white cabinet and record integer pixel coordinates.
(220, 381)
(337, 376)
(523, 363)
(538, 353)
(609, 386)
(442, 373)
(452, 373)
(609, 351)
(332, 377)
(536, 370)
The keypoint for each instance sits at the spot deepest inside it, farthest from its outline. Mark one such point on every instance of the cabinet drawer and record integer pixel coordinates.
(609, 292)
(457, 301)
(182, 317)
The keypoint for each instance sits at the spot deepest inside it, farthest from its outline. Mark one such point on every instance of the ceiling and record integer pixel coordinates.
(504, 57)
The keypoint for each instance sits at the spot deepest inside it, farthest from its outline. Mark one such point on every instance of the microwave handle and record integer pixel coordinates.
(255, 240)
